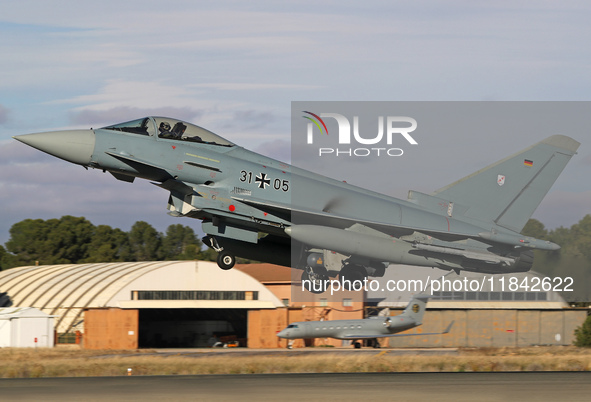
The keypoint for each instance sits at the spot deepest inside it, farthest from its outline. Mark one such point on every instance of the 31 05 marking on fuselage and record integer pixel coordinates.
(262, 180)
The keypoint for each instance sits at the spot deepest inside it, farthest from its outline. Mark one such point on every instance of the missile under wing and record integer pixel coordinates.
(246, 206)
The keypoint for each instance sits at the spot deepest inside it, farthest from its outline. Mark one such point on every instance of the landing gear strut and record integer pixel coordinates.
(225, 260)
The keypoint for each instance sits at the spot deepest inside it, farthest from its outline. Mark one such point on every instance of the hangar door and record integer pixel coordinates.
(190, 327)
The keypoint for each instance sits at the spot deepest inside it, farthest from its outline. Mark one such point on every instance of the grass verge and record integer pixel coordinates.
(25, 363)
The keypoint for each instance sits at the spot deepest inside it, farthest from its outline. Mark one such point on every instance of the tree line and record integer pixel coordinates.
(573, 260)
(73, 240)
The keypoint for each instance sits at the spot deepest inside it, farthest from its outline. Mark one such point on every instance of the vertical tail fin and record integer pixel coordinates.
(508, 192)
(416, 308)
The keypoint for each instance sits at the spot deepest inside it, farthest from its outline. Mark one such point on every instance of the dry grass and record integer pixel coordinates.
(81, 363)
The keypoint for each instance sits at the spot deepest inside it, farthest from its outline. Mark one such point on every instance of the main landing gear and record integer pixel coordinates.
(373, 342)
(351, 273)
(315, 278)
(313, 281)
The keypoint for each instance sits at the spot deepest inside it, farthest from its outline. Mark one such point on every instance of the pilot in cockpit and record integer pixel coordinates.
(164, 130)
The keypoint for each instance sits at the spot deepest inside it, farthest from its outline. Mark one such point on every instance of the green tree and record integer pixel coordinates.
(55, 241)
(572, 260)
(3, 257)
(535, 228)
(69, 239)
(583, 334)
(208, 254)
(109, 245)
(583, 234)
(27, 241)
(180, 243)
(145, 242)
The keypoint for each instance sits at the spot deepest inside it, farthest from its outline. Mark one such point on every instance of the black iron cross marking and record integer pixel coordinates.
(262, 180)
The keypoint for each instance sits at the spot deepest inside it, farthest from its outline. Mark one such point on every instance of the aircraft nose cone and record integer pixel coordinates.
(281, 334)
(74, 146)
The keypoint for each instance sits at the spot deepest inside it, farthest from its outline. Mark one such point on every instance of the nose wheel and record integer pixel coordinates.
(226, 260)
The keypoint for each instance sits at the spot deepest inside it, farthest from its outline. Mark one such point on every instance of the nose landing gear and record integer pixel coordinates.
(226, 260)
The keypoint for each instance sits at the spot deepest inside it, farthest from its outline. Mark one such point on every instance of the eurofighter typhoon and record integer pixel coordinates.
(245, 203)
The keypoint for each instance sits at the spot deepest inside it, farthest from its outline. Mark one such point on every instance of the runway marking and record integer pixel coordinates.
(382, 353)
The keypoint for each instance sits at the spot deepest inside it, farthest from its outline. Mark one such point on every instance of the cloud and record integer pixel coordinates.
(235, 67)
(4, 114)
(563, 208)
(120, 100)
(14, 153)
(277, 149)
(250, 119)
(125, 113)
(140, 94)
(36, 185)
(242, 86)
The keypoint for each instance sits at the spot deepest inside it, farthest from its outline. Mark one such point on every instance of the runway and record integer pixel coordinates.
(343, 351)
(538, 386)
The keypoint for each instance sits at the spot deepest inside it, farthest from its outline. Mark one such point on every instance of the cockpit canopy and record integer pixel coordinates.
(172, 129)
(292, 326)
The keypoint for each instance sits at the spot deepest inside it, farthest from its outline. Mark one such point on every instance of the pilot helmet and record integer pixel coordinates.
(164, 126)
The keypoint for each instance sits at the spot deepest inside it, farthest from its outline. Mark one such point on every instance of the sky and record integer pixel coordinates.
(235, 67)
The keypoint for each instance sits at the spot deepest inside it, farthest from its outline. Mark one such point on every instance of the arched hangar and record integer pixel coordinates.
(160, 304)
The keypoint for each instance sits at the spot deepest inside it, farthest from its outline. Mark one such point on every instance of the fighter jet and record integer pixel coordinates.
(246, 202)
(368, 328)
